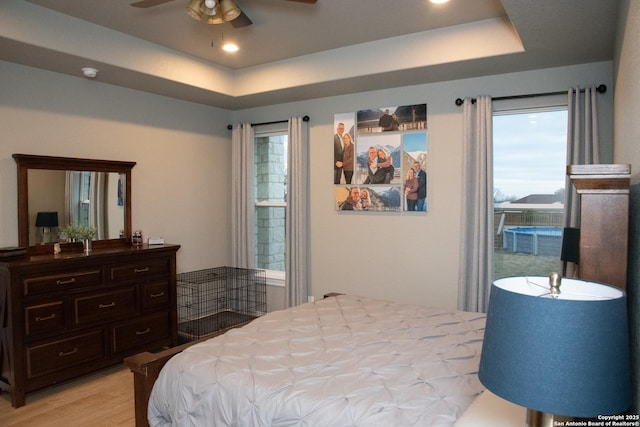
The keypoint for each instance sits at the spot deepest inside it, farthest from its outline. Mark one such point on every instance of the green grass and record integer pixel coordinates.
(508, 264)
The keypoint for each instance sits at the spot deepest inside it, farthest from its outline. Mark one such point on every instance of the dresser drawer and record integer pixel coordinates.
(44, 318)
(155, 295)
(139, 270)
(61, 282)
(65, 353)
(106, 306)
(141, 331)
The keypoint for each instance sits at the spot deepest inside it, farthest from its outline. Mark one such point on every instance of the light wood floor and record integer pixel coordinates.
(101, 399)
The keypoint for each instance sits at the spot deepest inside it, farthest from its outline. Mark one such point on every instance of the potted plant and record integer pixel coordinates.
(80, 233)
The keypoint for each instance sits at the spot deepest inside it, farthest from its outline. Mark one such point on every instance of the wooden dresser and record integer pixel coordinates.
(69, 314)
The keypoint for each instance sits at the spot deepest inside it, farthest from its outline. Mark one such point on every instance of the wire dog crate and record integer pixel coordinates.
(218, 298)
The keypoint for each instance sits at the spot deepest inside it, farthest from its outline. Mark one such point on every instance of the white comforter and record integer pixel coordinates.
(345, 361)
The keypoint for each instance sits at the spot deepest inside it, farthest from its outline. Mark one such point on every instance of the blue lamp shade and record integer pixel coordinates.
(564, 355)
(47, 219)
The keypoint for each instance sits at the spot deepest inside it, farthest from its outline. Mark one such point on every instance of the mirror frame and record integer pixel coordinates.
(28, 161)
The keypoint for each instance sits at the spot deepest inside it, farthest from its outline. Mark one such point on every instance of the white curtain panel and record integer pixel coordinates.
(242, 197)
(97, 203)
(476, 239)
(583, 148)
(297, 214)
(69, 202)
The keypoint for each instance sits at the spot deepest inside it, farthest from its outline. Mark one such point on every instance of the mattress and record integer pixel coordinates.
(341, 361)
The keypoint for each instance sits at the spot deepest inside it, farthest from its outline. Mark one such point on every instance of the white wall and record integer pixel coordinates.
(400, 257)
(182, 150)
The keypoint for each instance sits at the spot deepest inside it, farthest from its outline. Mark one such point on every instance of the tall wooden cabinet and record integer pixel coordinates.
(604, 221)
(69, 314)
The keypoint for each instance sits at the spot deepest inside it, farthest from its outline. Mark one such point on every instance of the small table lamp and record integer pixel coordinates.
(557, 350)
(46, 221)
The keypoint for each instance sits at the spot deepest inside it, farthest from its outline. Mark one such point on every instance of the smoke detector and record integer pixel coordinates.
(89, 72)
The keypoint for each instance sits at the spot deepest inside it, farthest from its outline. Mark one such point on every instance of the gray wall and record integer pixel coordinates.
(627, 150)
(182, 150)
(633, 289)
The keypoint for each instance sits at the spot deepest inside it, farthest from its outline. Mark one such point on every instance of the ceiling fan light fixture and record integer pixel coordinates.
(212, 12)
(229, 10)
(195, 9)
(215, 18)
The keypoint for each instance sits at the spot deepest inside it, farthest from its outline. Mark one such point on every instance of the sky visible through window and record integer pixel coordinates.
(529, 153)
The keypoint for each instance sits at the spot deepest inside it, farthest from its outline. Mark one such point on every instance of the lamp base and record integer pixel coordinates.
(543, 419)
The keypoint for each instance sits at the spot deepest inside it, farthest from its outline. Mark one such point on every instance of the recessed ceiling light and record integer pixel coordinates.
(230, 47)
(438, 1)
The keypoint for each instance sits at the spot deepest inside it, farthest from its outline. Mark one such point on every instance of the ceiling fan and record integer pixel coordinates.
(213, 11)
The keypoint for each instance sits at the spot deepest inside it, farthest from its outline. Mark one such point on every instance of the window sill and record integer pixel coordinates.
(276, 278)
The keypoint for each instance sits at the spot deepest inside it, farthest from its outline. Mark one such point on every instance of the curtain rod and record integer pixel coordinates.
(304, 119)
(600, 89)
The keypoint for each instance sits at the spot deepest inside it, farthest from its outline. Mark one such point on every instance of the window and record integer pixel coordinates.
(271, 200)
(529, 167)
(81, 194)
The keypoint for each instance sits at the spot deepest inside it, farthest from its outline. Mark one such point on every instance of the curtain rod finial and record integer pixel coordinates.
(601, 88)
(459, 102)
(229, 127)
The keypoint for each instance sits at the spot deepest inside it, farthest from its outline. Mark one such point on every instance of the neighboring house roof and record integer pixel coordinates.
(535, 201)
(540, 199)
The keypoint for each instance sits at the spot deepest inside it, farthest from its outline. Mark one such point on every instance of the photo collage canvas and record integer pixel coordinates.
(381, 159)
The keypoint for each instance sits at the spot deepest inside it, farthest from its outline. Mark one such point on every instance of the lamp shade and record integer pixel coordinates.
(195, 9)
(229, 10)
(564, 354)
(47, 219)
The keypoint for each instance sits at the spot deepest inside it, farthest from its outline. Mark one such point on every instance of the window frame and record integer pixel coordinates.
(274, 277)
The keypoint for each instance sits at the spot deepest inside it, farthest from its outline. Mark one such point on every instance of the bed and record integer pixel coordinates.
(341, 361)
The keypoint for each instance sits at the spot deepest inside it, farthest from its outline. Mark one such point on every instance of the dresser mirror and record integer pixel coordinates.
(63, 191)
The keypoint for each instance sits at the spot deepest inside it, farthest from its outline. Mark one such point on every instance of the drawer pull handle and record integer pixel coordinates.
(111, 304)
(141, 270)
(66, 282)
(42, 319)
(161, 294)
(146, 331)
(68, 353)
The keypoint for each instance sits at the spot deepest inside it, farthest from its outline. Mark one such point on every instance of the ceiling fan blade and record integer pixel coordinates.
(241, 21)
(148, 3)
